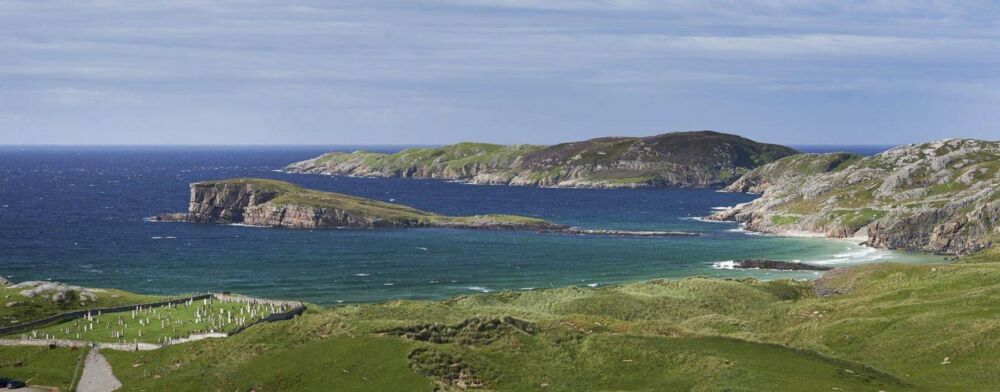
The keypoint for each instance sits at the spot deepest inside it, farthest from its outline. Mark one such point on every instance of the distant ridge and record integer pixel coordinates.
(677, 159)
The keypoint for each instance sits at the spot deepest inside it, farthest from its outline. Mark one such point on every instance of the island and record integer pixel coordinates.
(940, 197)
(273, 203)
(677, 159)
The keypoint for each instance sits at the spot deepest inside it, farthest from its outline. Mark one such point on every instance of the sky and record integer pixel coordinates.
(503, 71)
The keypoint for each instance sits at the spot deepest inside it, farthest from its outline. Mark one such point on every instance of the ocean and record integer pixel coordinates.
(75, 215)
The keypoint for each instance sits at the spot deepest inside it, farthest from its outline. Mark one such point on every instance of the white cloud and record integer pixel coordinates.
(486, 59)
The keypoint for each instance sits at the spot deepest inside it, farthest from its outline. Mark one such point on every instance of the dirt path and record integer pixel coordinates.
(97, 375)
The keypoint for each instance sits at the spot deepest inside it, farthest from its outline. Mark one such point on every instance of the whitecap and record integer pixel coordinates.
(592, 285)
(421, 248)
(479, 289)
(722, 208)
(703, 219)
(728, 264)
(388, 284)
(362, 274)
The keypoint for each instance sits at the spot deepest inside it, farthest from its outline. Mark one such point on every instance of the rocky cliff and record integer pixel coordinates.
(681, 159)
(270, 203)
(940, 197)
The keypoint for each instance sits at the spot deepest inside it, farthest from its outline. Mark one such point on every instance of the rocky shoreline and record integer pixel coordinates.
(778, 265)
(269, 203)
(941, 197)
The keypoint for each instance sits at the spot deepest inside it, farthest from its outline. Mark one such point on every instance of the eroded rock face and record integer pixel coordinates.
(247, 203)
(269, 203)
(225, 202)
(940, 197)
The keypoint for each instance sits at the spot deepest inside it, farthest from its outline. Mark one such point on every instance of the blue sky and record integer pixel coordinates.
(517, 71)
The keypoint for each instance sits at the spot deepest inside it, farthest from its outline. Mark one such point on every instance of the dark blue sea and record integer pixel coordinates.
(75, 214)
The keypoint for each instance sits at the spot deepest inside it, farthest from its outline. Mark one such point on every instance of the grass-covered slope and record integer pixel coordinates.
(42, 366)
(673, 159)
(262, 202)
(35, 300)
(941, 197)
(897, 327)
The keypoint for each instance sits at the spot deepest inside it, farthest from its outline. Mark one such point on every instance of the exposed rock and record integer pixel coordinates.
(269, 203)
(684, 159)
(4, 282)
(627, 233)
(475, 330)
(776, 265)
(55, 291)
(828, 284)
(941, 197)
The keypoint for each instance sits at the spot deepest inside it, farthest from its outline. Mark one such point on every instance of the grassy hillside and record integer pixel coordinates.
(702, 158)
(42, 366)
(19, 308)
(897, 327)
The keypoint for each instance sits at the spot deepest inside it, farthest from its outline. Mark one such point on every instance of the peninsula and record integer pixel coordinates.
(677, 159)
(272, 203)
(939, 197)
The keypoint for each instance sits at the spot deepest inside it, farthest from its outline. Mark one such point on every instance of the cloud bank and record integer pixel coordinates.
(518, 71)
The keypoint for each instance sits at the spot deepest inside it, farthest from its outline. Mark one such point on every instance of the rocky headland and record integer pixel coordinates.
(678, 159)
(271, 203)
(941, 197)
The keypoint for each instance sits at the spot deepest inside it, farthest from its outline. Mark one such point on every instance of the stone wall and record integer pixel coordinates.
(63, 317)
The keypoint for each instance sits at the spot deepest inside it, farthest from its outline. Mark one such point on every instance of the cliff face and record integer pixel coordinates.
(684, 159)
(271, 203)
(940, 197)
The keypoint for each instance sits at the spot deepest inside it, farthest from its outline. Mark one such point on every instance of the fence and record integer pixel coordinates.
(297, 309)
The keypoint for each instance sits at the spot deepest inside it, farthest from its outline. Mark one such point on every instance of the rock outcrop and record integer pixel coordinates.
(679, 159)
(941, 197)
(779, 265)
(55, 291)
(269, 203)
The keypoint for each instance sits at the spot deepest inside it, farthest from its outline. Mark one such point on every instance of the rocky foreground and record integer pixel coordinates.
(679, 159)
(941, 197)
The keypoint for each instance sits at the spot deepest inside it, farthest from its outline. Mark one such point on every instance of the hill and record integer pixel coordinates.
(679, 159)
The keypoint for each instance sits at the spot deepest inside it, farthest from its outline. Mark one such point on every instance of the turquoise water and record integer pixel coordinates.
(75, 214)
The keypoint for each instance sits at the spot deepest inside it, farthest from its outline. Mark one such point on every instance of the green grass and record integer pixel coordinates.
(52, 367)
(153, 325)
(336, 363)
(892, 331)
(855, 219)
(781, 220)
(17, 308)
